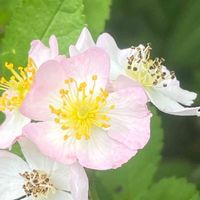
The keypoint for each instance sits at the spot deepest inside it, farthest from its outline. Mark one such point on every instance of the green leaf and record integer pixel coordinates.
(137, 175)
(175, 167)
(97, 12)
(38, 19)
(16, 149)
(172, 189)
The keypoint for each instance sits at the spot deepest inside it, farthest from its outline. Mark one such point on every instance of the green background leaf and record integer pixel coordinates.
(97, 12)
(38, 19)
(171, 189)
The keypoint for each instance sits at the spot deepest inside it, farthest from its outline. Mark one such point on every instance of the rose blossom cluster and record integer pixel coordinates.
(88, 109)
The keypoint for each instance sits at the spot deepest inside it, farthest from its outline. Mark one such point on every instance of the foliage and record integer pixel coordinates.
(97, 12)
(38, 19)
(173, 189)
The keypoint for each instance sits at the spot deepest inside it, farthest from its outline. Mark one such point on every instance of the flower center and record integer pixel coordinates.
(82, 108)
(145, 70)
(16, 88)
(37, 184)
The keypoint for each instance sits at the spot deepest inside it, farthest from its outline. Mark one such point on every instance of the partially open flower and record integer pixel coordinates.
(16, 87)
(39, 178)
(82, 120)
(160, 84)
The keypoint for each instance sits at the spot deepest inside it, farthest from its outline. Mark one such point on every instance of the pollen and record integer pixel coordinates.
(149, 72)
(16, 87)
(83, 108)
(37, 184)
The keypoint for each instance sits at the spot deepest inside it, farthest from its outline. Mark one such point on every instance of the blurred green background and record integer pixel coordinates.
(173, 29)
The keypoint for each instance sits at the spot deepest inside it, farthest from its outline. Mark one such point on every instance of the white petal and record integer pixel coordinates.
(60, 176)
(118, 57)
(85, 40)
(10, 181)
(169, 105)
(174, 91)
(178, 94)
(11, 128)
(35, 159)
(79, 182)
(60, 195)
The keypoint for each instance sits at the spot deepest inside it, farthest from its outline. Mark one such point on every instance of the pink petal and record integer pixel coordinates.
(49, 139)
(93, 61)
(130, 120)
(101, 152)
(40, 53)
(45, 90)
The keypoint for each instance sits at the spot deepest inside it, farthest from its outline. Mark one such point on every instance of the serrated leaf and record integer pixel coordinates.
(97, 12)
(38, 19)
(172, 189)
(136, 176)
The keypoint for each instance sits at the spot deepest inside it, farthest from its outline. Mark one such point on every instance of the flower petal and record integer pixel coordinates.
(11, 128)
(79, 182)
(169, 105)
(93, 61)
(49, 139)
(101, 152)
(84, 42)
(45, 90)
(118, 57)
(40, 53)
(10, 180)
(60, 195)
(35, 159)
(130, 120)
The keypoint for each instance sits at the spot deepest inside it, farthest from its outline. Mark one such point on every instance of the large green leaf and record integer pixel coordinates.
(97, 12)
(38, 19)
(172, 189)
(136, 176)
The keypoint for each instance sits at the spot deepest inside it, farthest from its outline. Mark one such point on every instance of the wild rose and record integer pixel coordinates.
(79, 119)
(39, 178)
(16, 88)
(160, 84)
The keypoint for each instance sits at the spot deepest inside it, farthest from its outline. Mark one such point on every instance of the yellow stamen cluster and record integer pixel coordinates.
(16, 88)
(145, 70)
(37, 184)
(82, 109)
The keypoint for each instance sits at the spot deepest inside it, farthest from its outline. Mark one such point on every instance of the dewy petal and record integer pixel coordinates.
(93, 61)
(40, 53)
(101, 152)
(49, 139)
(169, 105)
(10, 180)
(48, 81)
(83, 43)
(79, 182)
(130, 120)
(11, 128)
